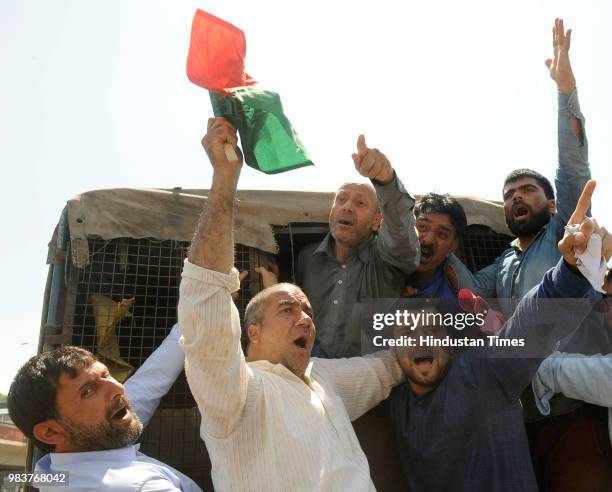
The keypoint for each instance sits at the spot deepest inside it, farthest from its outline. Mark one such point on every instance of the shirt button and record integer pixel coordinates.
(339, 282)
(335, 301)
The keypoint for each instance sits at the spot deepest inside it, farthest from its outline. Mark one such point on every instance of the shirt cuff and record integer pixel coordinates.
(392, 190)
(229, 281)
(569, 102)
(175, 333)
(567, 283)
(542, 394)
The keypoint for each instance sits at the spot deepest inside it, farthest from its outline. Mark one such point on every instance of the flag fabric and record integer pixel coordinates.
(269, 142)
(216, 62)
(216, 54)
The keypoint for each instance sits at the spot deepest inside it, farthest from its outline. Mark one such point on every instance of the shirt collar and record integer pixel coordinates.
(281, 370)
(327, 247)
(125, 454)
(516, 244)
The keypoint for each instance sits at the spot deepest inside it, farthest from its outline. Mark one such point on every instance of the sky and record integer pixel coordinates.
(94, 95)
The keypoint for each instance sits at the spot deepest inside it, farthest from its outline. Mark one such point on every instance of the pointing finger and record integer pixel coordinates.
(584, 202)
(362, 148)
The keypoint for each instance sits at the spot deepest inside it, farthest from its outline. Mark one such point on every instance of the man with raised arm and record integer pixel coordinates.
(459, 422)
(371, 246)
(532, 213)
(274, 420)
(537, 220)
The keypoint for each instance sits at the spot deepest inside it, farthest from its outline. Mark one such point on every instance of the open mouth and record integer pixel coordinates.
(300, 342)
(426, 252)
(120, 413)
(345, 222)
(520, 211)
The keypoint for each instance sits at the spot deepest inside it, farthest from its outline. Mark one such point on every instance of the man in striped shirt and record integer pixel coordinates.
(275, 420)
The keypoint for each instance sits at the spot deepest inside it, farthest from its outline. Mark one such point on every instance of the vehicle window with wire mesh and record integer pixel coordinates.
(481, 245)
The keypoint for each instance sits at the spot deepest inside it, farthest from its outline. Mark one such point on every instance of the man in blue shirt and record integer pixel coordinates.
(538, 218)
(71, 407)
(440, 222)
(532, 212)
(459, 423)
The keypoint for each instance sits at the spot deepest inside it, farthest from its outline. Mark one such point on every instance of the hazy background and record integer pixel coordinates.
(94, 95)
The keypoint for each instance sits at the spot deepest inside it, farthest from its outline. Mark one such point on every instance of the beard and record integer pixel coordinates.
(102, 436)
(529, 227)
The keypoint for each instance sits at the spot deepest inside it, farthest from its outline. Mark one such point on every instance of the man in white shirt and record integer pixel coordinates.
(275, 420)
(70, 406)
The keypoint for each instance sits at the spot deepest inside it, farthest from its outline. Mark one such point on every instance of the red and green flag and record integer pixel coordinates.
(216, 62)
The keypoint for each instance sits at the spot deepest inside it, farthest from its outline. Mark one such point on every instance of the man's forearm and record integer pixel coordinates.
(398, 239)
(573, 171)
(212, 246)
(548, 313)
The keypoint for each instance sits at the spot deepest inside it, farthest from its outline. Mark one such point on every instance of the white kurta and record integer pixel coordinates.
(265, 428)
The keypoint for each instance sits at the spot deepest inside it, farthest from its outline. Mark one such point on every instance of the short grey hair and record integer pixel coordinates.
(254, 312)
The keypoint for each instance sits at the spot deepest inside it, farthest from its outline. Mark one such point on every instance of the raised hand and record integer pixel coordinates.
(221, 145)
(372, 163)
(577, 242)
(559, 66)
(268, 277)
(241, 277)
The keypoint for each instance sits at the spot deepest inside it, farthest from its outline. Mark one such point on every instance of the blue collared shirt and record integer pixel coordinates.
(127, 469)
(516, 272)
(117, 470)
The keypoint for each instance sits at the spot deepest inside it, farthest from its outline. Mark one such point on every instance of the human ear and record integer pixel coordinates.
(50, 432)
(552, 206)
(377, 221)
(254, 333)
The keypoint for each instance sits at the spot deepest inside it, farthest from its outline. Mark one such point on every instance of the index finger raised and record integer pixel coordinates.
(584, 202)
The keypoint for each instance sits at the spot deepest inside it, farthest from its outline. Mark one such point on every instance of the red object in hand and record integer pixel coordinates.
(494, 321)
(216, 54)
(472, 303)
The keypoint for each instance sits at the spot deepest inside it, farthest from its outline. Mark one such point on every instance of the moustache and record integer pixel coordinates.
(118, 404)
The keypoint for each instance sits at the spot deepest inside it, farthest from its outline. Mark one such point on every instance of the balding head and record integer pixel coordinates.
(279, 327)
(355, 214)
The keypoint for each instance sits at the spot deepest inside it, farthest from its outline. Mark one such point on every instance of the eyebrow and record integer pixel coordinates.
(444, 227)
(358, 193)
(522, 187)
(287, 302)
(91, 379)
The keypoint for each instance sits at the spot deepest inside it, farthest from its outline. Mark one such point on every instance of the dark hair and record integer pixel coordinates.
(443, 204)
(33, 393)
(542, 181)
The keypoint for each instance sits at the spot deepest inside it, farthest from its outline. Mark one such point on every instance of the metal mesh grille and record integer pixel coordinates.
(149, 271)
(481, 245)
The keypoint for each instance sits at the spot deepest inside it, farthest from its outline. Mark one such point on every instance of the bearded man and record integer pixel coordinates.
(70, 406)
(537, 218)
